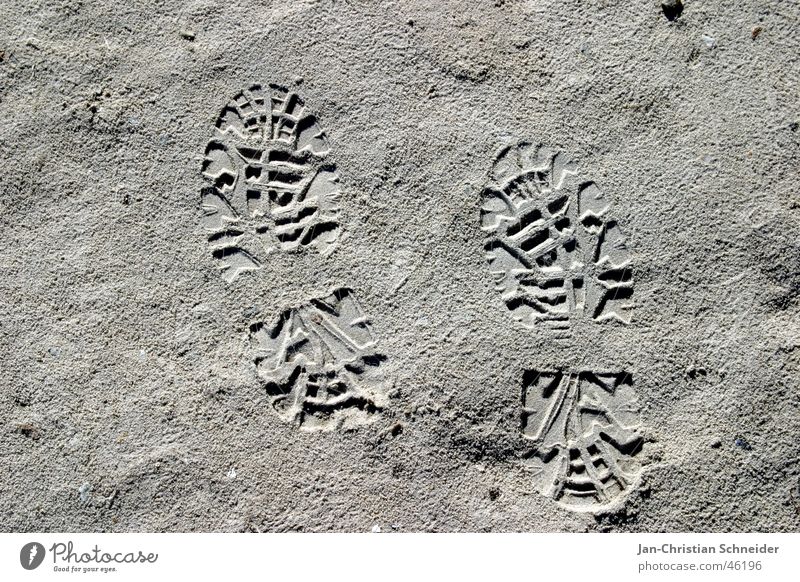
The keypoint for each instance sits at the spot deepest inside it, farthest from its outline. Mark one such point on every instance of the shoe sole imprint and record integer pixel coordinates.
(319, 364)
(555, 253)
(585, 429)
(269, 183)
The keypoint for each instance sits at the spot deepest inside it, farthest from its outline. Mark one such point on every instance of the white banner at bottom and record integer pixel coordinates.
(379, 557)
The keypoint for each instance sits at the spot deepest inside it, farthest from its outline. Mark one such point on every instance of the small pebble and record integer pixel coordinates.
(187, 34)
(672, 9)
(376, 528)
(84, 491)
(709, 41)
(251, 312)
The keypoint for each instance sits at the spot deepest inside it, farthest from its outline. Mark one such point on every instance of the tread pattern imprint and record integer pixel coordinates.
(269, 185)
(320, 365)
(558, 258)
(585, 433)
(269, 188)
(554, 251)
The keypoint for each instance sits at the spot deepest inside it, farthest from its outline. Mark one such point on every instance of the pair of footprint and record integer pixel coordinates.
(556, 256)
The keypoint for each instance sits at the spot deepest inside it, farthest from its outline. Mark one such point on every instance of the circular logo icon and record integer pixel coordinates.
(31, 555)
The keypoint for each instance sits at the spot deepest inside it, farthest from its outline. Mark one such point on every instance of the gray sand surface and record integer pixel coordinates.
(500, 265)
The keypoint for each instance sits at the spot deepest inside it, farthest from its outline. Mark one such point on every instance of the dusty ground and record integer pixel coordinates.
(144, 380)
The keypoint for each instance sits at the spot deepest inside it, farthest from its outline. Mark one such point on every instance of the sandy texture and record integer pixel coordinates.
(386, 367)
